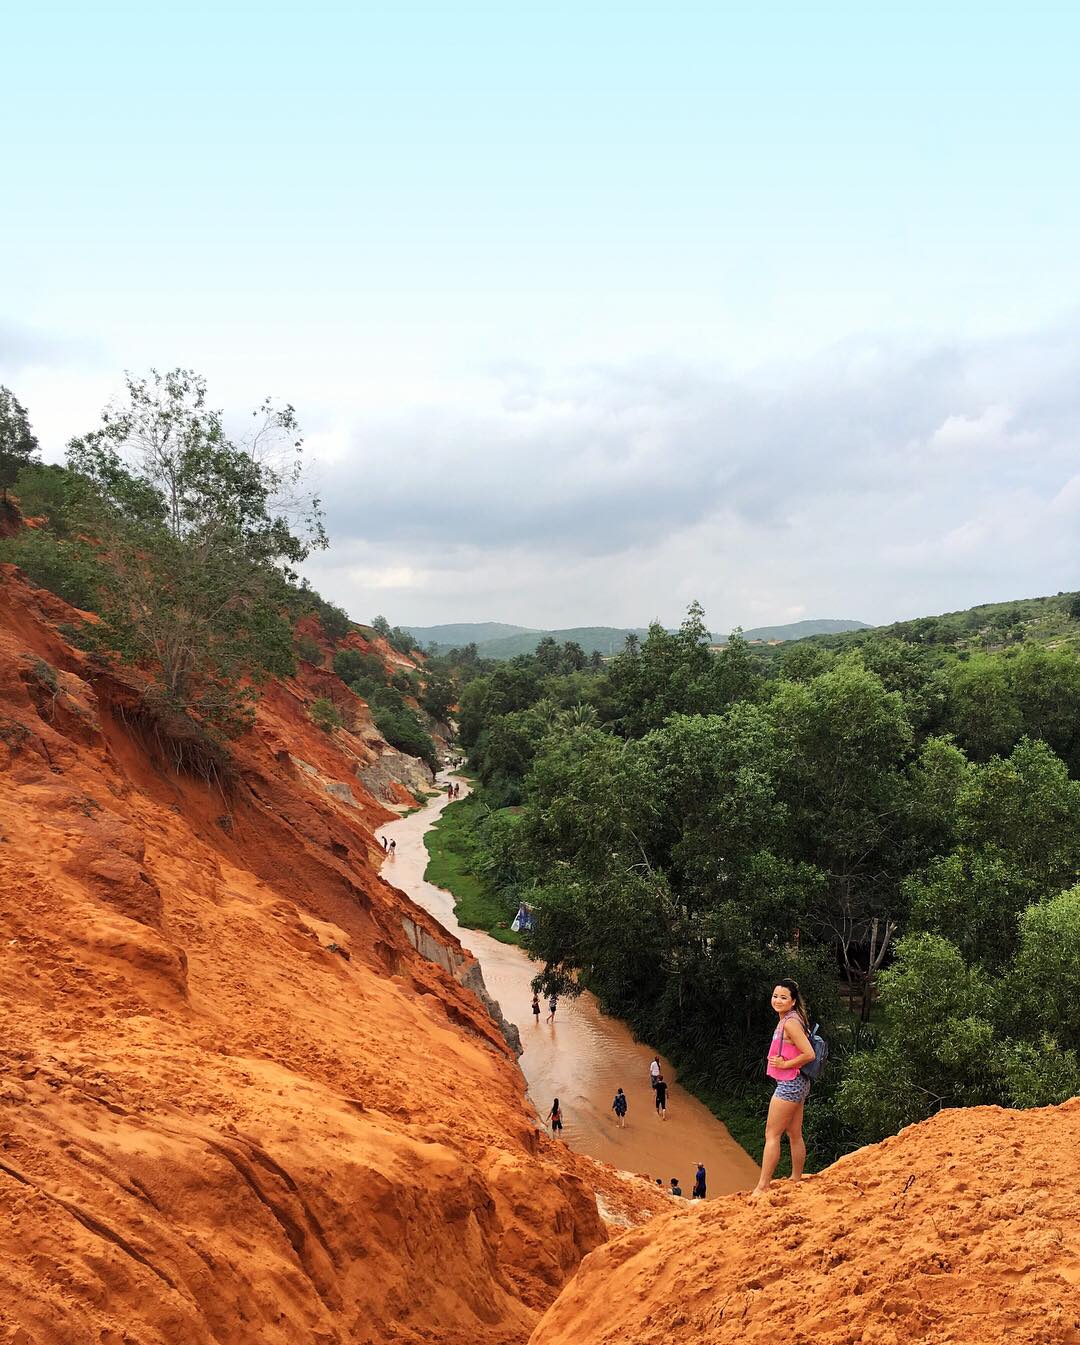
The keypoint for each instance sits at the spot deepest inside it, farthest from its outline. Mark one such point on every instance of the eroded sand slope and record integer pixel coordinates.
(215, 1129)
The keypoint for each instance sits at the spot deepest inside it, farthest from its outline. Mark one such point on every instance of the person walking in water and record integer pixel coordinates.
(536, 1008)
(385, 844)
(661, 1097)
(555, 1117)
(698, 1193)
(654, 1070)
(553, 1004)
(393, 849)
(619, 1108)
(789, 1050)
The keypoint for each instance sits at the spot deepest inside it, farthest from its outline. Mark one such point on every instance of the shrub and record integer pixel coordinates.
(402, 730)
(308, 650)
(325, 714)
(68, 569)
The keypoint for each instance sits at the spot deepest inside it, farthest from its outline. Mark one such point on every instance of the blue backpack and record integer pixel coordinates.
(812, 1069)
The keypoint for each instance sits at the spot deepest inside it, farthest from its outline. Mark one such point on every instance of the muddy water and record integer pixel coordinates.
(583, 1056)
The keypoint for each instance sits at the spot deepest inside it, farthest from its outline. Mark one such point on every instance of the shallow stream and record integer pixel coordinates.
(583, 1056)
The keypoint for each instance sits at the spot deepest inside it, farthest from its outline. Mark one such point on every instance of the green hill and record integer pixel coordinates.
(990, 625)
(800, 630)
(455, 635)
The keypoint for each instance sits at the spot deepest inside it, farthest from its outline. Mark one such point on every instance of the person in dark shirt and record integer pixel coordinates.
(698, 1192)
(661, 1097)
(676, 1189)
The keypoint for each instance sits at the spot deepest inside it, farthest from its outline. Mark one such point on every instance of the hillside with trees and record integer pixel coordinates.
(896, 823)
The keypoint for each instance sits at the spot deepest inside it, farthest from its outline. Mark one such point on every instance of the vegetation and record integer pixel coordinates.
(896, 822)
(458, 862)
(18, 444)
(184, 542)
(325, 714)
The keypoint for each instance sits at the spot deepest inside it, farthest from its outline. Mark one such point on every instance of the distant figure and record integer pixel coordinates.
(698, 1193)
(536, 1008)
(385, 844)
(393, 849)
(553, 1004)
(661, 1097)
(660, 1182)
(676, 1189)
(555, 1117)
(654, 1070)
(619, 1108)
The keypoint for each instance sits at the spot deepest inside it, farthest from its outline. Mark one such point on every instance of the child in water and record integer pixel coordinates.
(536, 1008)
(619, 1108)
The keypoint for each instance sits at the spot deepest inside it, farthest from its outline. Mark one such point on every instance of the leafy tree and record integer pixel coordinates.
(18, 444)
(438, 698)
(201, 542)
(381, 627)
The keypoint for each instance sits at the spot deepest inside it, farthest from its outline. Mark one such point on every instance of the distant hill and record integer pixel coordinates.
(801, 630)
(990, 625)
(466, 632)
(496, 640)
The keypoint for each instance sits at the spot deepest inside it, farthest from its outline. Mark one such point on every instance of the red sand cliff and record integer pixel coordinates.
(963, 1229)
(214, 1129)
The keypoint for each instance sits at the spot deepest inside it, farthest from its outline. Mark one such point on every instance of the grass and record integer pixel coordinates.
(451, 854)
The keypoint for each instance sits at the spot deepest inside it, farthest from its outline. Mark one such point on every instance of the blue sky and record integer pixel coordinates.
(588, 309)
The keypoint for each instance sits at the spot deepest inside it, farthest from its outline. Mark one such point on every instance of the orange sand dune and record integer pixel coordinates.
(214, 1128)
(963, 1229)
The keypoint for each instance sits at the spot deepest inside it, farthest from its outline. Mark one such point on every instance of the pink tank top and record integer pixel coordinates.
(788, 1050)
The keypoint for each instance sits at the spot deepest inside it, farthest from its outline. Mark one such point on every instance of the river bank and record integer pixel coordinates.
(584, 1056)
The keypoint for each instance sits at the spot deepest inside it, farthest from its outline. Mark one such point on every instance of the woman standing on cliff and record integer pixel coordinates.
(789, 1050)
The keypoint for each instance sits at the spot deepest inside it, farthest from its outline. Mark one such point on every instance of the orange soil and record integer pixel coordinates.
(214, 1129)
(963, 1229)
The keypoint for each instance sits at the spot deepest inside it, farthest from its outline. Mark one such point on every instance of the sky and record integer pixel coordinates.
(588, 310)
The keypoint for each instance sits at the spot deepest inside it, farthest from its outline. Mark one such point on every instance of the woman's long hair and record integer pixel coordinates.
(801, 1006)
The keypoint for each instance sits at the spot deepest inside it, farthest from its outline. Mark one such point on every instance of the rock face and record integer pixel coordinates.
(963, 1229)
(213, 1127)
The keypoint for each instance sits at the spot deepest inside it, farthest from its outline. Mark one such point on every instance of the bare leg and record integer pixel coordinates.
(780, 1117)
(797, 1143)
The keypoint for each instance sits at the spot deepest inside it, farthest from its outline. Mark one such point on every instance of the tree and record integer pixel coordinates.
(18, 444)
(202, 535)
(381, 627)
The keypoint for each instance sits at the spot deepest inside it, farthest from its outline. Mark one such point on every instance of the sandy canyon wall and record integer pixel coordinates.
(214, 1127)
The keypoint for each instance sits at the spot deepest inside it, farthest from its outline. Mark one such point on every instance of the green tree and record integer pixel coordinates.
(18, 444)
(202, 535)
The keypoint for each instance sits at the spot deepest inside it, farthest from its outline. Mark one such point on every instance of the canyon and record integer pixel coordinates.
(251, 1092)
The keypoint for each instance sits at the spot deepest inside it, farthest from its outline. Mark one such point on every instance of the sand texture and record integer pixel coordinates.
(963, 1229)
(214, 1128)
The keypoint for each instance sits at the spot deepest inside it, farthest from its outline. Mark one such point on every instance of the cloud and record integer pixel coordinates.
(875, 481)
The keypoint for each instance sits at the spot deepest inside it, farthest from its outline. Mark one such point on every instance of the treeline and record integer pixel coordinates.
(898, 829)
(185, 542)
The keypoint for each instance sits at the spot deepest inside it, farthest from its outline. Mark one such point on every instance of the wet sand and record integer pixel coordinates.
(583, 1056)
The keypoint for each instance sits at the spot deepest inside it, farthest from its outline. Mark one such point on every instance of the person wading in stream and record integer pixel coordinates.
(619, 1108)
(789, 1050)
(555, 1117)
(536, 1009)
(661, 1097)
(698, 1193)
(553, 1004)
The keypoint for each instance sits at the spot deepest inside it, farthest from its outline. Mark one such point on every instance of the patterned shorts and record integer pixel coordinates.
(793, 1090)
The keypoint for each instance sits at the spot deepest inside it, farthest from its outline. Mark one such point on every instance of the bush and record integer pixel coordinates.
(325, 714)
(402, 730)
(68, 569)
(352, 666)
(308, 649)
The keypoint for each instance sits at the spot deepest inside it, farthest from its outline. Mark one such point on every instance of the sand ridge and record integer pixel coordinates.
(964, 1229)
